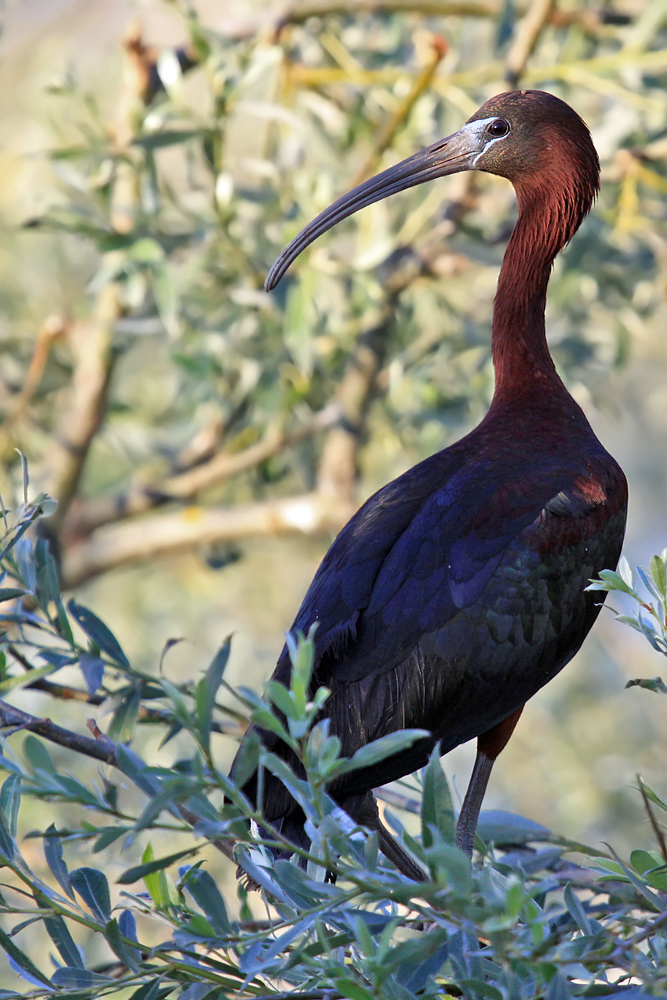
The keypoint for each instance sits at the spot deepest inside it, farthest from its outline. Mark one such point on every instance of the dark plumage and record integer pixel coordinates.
(458, 590)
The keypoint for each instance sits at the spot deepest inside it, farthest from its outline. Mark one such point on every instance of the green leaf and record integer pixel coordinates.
(283, 699)
(11, 593)
(146, 251)
(576, 910)
(14, 952)
(37, 754)
(59, 933)
(385, 747)
(207, 690)
(450, 861)
(109, 836)
(131, 957)
(653, 796)
(152, 990)
(92, 886)
(655, 684)
(658, 569)
(247, 758)
(206, 894)
(609, 580)
(349, 988)
(267, 720)
(437, 811)
(137, 872)
(156, 882)
(53, 852)
(169, 137)
(124, 719)
(23, 680)
(10, 801)
(500, 827)
(79, 979)
(96, 630)
(92, 668)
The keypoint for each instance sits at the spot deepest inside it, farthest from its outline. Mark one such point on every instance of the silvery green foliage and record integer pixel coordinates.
(525, 921)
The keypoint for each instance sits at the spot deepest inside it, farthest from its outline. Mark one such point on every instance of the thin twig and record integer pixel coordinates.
(188, 484)
(309, 514)
(385, 137)
(67, 693)
(528, 31)
(657, 829)
(15, 718)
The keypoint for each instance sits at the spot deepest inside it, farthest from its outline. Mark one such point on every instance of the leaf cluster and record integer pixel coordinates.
(525, 922)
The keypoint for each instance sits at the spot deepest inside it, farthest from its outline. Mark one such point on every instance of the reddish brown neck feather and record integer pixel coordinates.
(552, 206)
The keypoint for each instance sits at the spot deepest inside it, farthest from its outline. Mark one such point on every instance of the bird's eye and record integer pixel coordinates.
(498, 128)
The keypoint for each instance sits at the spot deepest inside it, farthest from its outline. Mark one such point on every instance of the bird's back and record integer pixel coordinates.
(457, 590)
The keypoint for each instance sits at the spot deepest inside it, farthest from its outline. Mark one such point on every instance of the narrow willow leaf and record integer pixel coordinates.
(655, 684)
(380, 749)
(576, 910)
(137, 872)
(96, 630)
(206, 895)
(22, 964)
(125, 715)
(437, 808)
(11, 593)
(349, 988)
(53, 852)
(92, 668)
(79, 979)
(59, 933)
(658, 569)
(207, 690)
(131, 957)
(10, 801)
(92, 886)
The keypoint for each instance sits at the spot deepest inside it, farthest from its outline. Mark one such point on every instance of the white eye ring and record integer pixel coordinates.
(498, 128)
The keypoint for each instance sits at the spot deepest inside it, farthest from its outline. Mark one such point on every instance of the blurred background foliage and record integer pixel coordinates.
(206, 440)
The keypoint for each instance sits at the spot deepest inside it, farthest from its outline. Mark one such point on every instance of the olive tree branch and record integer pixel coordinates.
(525, 39)
(186, 485)
(307, 514)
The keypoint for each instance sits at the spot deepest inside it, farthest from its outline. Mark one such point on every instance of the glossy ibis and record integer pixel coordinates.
(458, 589)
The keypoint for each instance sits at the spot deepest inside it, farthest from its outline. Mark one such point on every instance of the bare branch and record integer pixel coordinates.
(143, 497)
(437, 48)
(16, 719)
(165, 534)
(657, 829)
(525, 39)
(298, 12)
(91, 343)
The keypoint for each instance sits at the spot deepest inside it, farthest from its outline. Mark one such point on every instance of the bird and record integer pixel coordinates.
(459, 589)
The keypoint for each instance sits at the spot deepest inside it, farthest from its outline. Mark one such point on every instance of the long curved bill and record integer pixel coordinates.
(447, 156)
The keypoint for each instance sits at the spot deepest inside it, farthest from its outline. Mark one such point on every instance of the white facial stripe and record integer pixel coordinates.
(476, 130)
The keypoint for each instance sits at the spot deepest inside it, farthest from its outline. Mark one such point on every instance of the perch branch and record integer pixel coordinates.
(172, 532)
(188, 484)
(527, 33)
(14, 718)
(437, 48)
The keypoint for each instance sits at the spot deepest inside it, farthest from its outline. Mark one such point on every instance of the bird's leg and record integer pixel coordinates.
(368, 815)
(489, 745)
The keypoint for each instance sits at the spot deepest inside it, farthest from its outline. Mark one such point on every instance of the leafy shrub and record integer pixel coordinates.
(525, 922)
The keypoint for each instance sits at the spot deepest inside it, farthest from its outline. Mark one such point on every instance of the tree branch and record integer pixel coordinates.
(437, 48)
(527, 33)
(14, 718)
(186, 485)
(166, 534)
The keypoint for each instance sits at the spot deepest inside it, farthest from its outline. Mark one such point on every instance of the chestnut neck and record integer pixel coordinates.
(522, 362)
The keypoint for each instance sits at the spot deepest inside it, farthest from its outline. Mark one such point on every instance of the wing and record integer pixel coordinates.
(424, 548)
(439, 587)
